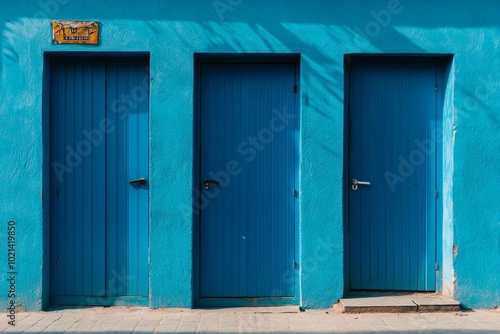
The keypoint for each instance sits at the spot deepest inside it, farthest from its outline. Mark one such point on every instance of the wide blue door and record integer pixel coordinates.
(248, 181)
(394, 139)
(99, 189)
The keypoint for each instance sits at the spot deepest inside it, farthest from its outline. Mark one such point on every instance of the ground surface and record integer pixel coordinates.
(247, 320)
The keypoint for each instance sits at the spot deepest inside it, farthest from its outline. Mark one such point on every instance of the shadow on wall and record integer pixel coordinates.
(319, 29)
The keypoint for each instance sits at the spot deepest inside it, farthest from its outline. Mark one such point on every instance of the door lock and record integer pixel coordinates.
(141, 181)
(356, 183)
(208, 182)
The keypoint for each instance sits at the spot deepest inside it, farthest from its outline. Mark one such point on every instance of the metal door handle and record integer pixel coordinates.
(141, 181)
(207, 183)
(356, 183)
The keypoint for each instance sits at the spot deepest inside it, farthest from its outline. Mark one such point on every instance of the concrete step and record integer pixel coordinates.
(397, 303)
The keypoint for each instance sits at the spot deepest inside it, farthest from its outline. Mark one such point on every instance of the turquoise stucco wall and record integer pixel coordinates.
(322, 32)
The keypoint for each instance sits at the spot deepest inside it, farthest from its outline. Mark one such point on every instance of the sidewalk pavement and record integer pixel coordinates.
(247, 320)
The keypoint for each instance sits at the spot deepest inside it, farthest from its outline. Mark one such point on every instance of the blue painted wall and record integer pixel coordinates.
(322, 32)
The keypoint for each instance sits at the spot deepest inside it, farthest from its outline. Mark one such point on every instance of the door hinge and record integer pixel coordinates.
(436, 194)
(294, 264)
(42, 195)
(295, 89)
(57, 263)
(295, 193)
(436, 266)
(436, 86)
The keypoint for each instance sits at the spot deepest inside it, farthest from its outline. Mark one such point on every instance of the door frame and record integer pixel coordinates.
(250, 58)
(443, 62)
(48, 298)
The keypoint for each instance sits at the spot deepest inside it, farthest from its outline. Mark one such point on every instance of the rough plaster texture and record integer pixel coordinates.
(322, 32)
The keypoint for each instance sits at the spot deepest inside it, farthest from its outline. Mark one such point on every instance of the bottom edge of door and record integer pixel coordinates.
(99, 301)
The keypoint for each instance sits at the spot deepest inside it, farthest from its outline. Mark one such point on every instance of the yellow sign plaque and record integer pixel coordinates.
(75, 32)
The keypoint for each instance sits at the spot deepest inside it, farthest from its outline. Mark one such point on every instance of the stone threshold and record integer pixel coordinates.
(381, 302)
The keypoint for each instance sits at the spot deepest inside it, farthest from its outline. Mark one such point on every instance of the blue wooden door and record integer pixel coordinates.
(248, 177)
(394, 139)
(99, 218)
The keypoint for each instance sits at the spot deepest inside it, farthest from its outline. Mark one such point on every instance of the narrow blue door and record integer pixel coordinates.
(248, 177)
(394, 138)
(99, 190)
